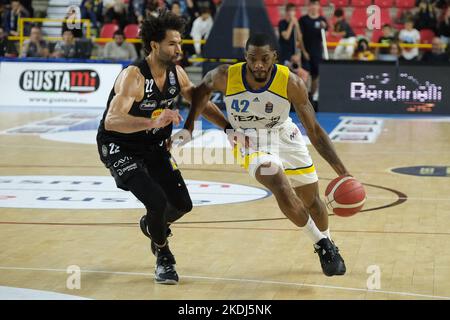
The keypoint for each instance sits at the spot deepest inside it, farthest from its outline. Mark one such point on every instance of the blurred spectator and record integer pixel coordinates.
(151, 8)
(342, 29)
(27, 4)
(136, 8)
(182, 4)
(444, 28)
(409, 35)
(404, 16)
(188, 49)
(437, 53)
(425, 18)
(195, 7)
(394, 53)
(201, 28)
(66, 47)
(295, 65)
(35, 47)
(115, 10)
(2, 14)
(362, 52)
(386, 38)
(119, 49)
(310, 27)
(290, 35)
(71, 24)
(175, 7)
(92, 10)
(7, 48)
(11, 16)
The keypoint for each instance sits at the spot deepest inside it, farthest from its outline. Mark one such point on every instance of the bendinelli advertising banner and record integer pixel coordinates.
(56, 84)
(384, 88)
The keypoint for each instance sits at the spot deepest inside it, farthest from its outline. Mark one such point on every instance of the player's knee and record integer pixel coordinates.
(266, 169)
(315, 204)
(157, 205)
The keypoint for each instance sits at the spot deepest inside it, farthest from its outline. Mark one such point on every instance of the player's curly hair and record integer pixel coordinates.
(154, 28)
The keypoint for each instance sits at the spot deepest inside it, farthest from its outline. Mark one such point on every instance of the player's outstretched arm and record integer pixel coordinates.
(298, 95)
(129, 87)
(214, 80)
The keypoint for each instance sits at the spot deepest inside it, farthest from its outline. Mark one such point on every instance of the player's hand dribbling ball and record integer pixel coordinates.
(345, 196)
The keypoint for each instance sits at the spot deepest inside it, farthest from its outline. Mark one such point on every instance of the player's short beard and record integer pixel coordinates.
(165, 60)
(261, 80)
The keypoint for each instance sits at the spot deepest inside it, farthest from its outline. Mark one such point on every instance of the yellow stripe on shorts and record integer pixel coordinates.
(246, 160)
(299, 171)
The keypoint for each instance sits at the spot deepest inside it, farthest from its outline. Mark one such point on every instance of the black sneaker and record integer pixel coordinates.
(143, 225)
(330, 259)
(165, 272)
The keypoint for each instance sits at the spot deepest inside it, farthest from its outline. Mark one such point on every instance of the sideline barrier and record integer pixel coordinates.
(384, 87)
(56, 82)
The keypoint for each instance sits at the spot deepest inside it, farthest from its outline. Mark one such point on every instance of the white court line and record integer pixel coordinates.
(240, 280)
(410, 198)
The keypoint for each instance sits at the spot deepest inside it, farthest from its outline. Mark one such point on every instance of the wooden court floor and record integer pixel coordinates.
(253, 253)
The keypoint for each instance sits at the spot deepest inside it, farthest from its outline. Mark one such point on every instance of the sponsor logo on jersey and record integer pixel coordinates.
(156, 113)
(256, 99)
(148, 105)
(172, 80)
(172, 90)
(249, 118)
(76, 81)
(294, 134)
(104, 150)
(269, 107)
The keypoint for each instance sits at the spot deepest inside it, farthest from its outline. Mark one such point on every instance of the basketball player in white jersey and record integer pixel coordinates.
(258, 95)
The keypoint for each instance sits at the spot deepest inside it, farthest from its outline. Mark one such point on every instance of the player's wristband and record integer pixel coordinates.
(228, 127)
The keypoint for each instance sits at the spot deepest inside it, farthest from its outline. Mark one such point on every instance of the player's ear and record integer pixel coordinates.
(154, 45)
(275, 56)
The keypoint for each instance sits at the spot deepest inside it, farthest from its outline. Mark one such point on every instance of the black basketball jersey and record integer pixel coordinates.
(151, 106)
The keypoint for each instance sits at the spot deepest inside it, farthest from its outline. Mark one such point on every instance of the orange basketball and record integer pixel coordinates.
(345, 196)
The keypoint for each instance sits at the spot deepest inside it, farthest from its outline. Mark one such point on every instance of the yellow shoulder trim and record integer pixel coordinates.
(234, 83)
(280, 82)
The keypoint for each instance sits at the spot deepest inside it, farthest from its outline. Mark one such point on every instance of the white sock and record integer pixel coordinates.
(311, 230)
(326, 233)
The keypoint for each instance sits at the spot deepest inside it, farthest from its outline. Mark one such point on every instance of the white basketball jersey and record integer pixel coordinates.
(266, 108)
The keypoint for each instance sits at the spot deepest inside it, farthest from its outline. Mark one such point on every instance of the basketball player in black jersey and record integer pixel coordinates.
(133, 134)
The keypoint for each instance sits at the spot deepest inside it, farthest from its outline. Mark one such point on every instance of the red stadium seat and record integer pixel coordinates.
(384, 3)
(407, 4)
(340, 3)
(376, 34)
(131, 31)
(331, 38)
(274, 2)
(323, 2)
(108, 30)
(361, 3)
(299, 12)
(359, 31)
(274, 15)
(385, 16)
(298, 2)
(359, 18)
(426, 36)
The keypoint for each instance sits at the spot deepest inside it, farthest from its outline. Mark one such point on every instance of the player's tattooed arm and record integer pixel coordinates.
(298, 95)
(211, 112)
(214, 80)
(129, 88)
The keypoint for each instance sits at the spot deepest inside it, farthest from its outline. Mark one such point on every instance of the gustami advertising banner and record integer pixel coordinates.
(384, 88)
(49, 84)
